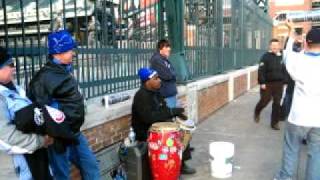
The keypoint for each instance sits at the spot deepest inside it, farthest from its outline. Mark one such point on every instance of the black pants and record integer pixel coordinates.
(38, 163)
(273, 91)
(186, 155)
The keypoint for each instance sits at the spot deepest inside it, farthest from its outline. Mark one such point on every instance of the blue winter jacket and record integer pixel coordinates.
(166, 73)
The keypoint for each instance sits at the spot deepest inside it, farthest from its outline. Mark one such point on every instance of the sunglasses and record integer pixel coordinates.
(11, 65)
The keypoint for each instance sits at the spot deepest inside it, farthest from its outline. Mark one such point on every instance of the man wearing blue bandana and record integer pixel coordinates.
(54, 85)
(14, 144)
(149, 107)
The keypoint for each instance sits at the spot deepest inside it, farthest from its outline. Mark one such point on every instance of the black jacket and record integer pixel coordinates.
(166, 73)
(149, 107)
(54, 84)
(50, 123)
(271, 68)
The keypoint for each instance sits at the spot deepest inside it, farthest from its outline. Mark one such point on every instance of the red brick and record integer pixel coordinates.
(253, 79)
(240, 85)
(211, 99)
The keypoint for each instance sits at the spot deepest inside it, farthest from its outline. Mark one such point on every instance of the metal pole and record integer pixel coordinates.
(175, 19)
(5, 23)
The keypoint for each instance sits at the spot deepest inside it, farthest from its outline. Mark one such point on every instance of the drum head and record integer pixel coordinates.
(186, 124)
(164, 126)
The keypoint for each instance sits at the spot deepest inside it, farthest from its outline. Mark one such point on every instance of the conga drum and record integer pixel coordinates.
(186, 128)
(165, 151)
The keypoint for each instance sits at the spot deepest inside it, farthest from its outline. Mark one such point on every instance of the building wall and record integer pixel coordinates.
(107, 126)
(281, 32)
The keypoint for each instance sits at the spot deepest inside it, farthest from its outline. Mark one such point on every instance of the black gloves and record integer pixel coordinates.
(179, 112)
(183, 116)
(176, 111)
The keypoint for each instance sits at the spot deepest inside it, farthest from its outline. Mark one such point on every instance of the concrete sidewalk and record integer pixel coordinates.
(258, 148)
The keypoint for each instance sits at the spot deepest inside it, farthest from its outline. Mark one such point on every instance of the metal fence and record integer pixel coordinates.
(116, 37)
(224, 34)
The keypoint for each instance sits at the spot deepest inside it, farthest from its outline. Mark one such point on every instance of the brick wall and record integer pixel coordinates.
(108, 133)
(240, 85)
(211, 99)
(253, 79)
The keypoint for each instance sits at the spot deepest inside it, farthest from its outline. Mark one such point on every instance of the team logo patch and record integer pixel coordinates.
(38, 117)
(153, 146)
(56, 115)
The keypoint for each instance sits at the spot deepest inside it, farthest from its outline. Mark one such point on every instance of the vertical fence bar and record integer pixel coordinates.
(97, 45)
(87, 67)
(64, 14)
(17, 61)
(38, 36)
(5, 22)
(76, 32)
(51, 15)
(25, 67)
(105, 30)
(32, 57)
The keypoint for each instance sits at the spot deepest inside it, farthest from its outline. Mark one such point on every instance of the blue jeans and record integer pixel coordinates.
(171, 101)
(80, 155)
(291, 150)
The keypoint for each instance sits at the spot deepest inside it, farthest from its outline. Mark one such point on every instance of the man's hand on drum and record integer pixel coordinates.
(183, 116)
(176, 111)
(179, 112)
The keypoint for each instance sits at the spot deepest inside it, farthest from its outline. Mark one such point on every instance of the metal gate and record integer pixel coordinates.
(117, 37)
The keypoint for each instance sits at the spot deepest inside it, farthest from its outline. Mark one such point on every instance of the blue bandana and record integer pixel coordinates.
(68, 67)
(9, 61)
(146, 73)
(60, 42)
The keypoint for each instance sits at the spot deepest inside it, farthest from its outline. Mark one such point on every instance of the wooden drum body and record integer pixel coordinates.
(165, 151)
(186, 128)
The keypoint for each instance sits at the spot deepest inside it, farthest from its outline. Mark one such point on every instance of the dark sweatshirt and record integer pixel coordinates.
(166, 73)
(271, 69)
(149, 107)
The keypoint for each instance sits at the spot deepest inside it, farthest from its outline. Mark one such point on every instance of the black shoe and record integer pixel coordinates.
(304, 141)
(257, 118)
(275, 126)
(191, 149)
(185, 169)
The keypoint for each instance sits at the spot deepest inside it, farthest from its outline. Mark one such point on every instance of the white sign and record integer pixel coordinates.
(288, 2)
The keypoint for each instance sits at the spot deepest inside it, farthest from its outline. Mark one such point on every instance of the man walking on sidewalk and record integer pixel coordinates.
(304, 116)
(271, 77)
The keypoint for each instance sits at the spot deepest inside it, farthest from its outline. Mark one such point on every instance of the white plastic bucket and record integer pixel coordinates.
(221, 159)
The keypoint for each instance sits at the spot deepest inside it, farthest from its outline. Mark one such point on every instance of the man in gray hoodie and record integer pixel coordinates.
(14, 144)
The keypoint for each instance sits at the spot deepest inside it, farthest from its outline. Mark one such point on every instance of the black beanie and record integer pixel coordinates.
(4, 55)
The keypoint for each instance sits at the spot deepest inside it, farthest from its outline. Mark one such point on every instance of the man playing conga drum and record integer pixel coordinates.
(150, 107)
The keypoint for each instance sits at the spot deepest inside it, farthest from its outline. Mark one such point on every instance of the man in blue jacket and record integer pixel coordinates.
(159, 62)
(25, 150)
